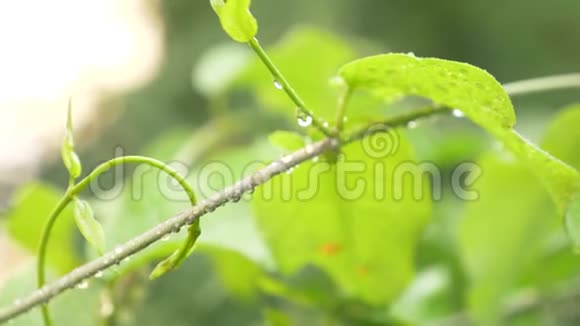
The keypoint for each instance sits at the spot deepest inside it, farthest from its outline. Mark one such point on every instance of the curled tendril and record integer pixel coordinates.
(179, 255)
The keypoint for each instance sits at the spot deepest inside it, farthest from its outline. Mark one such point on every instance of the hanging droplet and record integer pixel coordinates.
(83, 285)
(166, 238)
(290, 170)
(278, 85)
(304, 120)
(99, 274)
(412, 124)
(458, 113)
(315, 159)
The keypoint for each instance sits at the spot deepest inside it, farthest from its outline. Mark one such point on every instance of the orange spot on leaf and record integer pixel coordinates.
(330, 249)
(362, 271)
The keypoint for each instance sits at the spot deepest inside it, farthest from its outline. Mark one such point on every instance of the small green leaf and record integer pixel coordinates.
(236, 19)
(287, 140)
(69, 157)
(90, 228)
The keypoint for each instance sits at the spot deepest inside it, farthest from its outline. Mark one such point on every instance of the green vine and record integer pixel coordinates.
(74, 189)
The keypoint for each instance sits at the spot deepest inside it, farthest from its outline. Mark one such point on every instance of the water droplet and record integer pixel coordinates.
(286, 159)
(278, 85)
(304, 120)
(458, 113)
(166, 238)
(325, 124)
(411, 54)
(412, 124)
(99, 274)
(83, 285)
(315, 159)
(290, 170)
(337, 81)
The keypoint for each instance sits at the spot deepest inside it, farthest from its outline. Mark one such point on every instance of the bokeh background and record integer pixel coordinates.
(129, 67)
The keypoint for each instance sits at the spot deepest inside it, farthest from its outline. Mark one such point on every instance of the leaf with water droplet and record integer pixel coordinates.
(469, 89)
(236, 19)
(90, 228)
(69, 157)
(393, 76)
(287, 140)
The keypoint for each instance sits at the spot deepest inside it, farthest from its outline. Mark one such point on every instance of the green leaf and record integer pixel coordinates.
(90, 228)
(363, 238)
(287, 140)
(523, 225)
(236, 19)
(562, 136)
(561, 139)
(470, 89)
(238, 273)
(32, 204)
(308, 58)
(69, 157)
(218, 67)
(453, 84)
(500, 235)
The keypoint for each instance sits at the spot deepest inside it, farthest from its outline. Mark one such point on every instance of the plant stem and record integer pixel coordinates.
(341, 109)
(396, 121)
(542, 84)
(279, 78)
(74, 190)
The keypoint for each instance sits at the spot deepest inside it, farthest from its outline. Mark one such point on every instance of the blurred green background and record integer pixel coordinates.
(232, 278)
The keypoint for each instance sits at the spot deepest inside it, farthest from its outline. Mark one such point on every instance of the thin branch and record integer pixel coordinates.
(279, 79)
(174, 224)
(542, 84)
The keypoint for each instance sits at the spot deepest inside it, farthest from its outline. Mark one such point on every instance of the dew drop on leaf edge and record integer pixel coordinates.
(278, 85)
